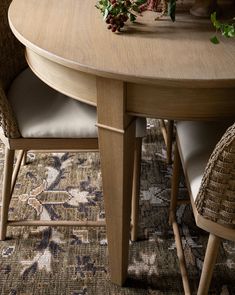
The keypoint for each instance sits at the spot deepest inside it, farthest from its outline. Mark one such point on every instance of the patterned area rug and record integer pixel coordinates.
(73, 261)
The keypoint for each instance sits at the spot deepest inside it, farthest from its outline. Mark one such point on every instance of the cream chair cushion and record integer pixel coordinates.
(42, 112)
(196, 141)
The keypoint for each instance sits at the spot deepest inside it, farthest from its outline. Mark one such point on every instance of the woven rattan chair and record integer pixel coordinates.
(207, 153)
(33, 116)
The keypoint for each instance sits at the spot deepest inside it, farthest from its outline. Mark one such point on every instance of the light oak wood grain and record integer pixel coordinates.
(52, 143)
(72, 33)
(117, 157)
(136, 190)
(180, 103)
(208, 264)
(56, 223)
(76, 84)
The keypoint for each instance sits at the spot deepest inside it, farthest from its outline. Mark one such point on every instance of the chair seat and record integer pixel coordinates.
(42, 112)
(196, 142)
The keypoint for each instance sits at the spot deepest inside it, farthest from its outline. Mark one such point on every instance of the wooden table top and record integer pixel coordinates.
(74, 34)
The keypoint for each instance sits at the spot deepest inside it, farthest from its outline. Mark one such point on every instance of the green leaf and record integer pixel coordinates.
(106, 12)
(214, 21)
(214, 40)
(140, 2)
(136, 8)
(228, 30)
(231, 33)
(132, 17)
(171, 9)
(213, 17)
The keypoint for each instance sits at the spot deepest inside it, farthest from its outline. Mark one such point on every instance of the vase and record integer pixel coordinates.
(204, 8)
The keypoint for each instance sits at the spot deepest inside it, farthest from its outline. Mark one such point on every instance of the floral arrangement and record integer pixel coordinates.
(117, 12)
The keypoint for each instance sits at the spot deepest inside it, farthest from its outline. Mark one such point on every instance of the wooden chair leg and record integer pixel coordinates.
(172, 221)
(136, 189)
(208, 265)
(170, 128)
(20, 159)
(174, 184)
(6, 191)
(167, 132)
(24, 159)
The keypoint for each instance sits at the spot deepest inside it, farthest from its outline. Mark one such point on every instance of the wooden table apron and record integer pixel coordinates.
(160, 70)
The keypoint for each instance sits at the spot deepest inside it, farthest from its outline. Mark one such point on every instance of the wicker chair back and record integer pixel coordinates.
(12, 62)
(216, 198)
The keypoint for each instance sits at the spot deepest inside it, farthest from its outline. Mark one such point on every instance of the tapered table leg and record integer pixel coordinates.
(116, 144)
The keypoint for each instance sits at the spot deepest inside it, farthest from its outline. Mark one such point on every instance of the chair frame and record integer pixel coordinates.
(216, 231)
(167, 129)
(55, 144)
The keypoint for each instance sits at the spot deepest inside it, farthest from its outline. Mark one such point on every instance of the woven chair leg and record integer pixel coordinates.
(6, 191)
(136, 189)
(209, 263)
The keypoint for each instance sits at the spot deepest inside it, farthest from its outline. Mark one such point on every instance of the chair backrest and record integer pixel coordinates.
(216, 198)
(12, 62)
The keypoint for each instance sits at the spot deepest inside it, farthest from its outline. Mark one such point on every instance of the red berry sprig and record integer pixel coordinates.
(115, 23)
(117, 12)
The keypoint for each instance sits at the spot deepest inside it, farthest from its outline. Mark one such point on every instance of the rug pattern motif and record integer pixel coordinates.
(73, 261)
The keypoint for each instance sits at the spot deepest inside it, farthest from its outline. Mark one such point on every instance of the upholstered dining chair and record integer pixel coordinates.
(207, 153)
(34, 116)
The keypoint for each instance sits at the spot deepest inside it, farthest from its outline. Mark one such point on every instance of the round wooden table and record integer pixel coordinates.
(155, 69)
